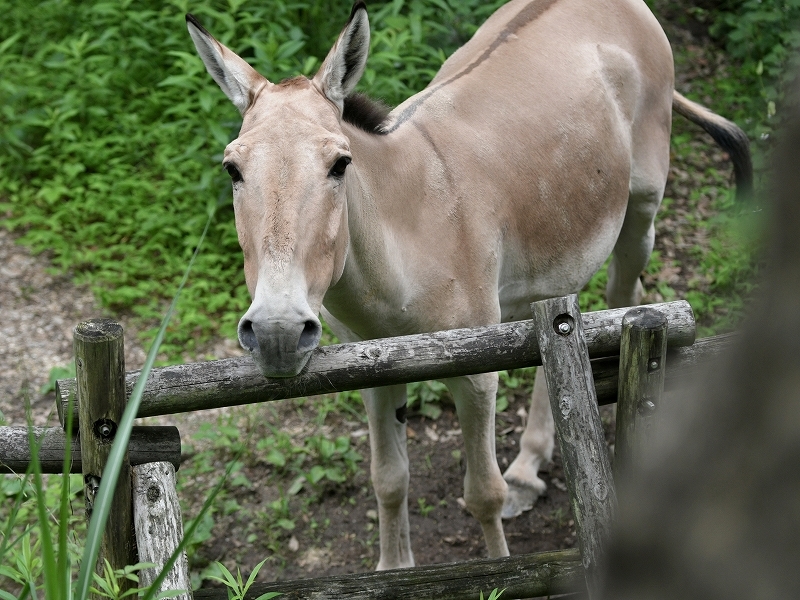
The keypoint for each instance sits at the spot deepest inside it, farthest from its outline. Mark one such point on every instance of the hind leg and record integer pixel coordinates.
(536, 448)
(633, 247)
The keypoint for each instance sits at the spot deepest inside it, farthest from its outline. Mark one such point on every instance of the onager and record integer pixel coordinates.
(539, 149)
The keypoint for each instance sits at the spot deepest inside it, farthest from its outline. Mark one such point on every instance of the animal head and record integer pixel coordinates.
(289, 170)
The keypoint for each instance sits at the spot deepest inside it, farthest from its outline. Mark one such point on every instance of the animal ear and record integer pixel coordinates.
(345, 63)
(238, 80)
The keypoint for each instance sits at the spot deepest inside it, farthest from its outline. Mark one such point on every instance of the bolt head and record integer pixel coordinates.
(564, 327)
(646, 408)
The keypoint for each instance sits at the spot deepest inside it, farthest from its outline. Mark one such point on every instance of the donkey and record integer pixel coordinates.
(539, 149)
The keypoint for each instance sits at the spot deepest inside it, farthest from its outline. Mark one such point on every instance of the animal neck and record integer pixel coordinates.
(381, 205)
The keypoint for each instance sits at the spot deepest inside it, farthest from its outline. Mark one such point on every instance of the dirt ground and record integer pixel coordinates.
(337, 531)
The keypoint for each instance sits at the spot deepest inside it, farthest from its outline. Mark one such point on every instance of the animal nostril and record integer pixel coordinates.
(309, 338)
(247, 337)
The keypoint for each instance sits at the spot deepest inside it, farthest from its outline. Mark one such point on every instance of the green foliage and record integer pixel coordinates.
(731, 266)
(424, 398)
(593, 294)
(21, 533)
(764, 37)
(301, 468)
(237, 589)
(110, 585)
(425, 509)
(518, 381)
(314, 462)
(111, 133)
(55, 374)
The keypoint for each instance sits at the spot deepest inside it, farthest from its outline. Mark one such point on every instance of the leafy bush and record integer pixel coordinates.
(763, 37)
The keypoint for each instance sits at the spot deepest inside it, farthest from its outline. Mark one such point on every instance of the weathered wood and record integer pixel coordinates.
(389, 361)
(682, 364)
(579, 430)
(522, 576)
(642, 365)
(148, 444)
(692, 361)
(100, 367)
(159, 526)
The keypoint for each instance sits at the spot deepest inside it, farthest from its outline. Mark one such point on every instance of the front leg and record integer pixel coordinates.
(484, 487)
(389, 470)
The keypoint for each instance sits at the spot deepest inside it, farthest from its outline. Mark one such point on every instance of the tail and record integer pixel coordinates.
(727, 134)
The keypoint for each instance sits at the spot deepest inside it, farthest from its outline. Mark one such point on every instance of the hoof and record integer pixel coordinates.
(521, 496)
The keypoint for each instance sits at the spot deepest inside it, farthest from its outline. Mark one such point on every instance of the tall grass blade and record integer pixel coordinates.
(108, 482)
(51, 579)
(64, 566)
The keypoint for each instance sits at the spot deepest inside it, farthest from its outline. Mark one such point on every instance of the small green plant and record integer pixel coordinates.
(237, 588)
(110, 584)
(281, 514)
(494, 595)
(511, 383)
(558, 517)
(425, 397)
(24, 567)
(424, 508)
(55, 374)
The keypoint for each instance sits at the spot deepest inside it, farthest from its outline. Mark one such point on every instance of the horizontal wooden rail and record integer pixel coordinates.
(147, 444)
(681, 362)
(522, 576)
(388, 361)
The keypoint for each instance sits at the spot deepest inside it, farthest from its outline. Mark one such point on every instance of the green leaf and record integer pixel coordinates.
(253, 575)
(296, 486)
(276, 457)
(8, 42)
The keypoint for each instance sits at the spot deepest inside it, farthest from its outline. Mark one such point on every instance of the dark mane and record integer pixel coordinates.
(366, 113)
(298, 81)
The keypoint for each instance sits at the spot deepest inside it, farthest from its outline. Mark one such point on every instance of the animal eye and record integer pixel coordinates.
(236, 176)
(338, 168)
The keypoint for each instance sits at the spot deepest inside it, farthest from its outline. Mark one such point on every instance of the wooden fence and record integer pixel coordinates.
(581, 354)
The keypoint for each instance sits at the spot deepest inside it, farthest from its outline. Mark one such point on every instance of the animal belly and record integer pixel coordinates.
(523, 280)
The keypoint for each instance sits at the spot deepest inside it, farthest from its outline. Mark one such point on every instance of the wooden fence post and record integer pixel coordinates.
(100, 368)
(642, 364)
(587, 468)
(159, 526)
